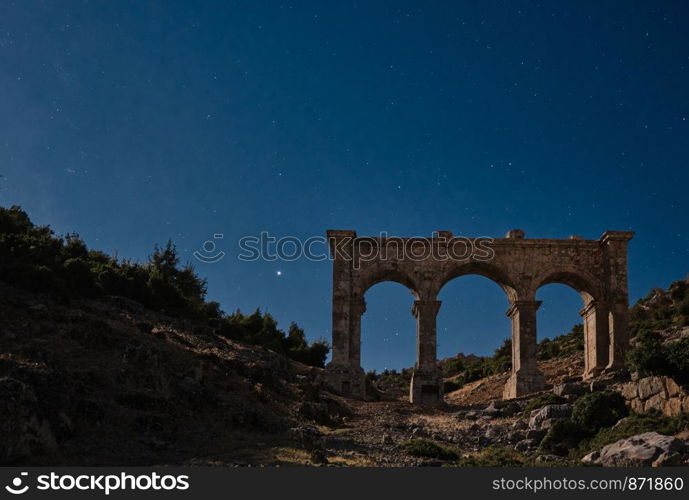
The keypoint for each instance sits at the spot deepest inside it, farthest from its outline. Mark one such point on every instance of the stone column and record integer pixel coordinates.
(614, 245)
(618, 321)
(526, 377)
(344, 374)
(596, 339)
(357, 307)
(426, 383)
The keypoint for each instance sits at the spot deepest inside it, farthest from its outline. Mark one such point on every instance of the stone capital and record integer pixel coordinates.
(588, 308)
(622, 236)
(425, 306)
(523, 305)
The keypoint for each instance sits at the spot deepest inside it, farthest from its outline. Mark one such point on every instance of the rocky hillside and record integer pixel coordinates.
(107, 381)
(109, 362)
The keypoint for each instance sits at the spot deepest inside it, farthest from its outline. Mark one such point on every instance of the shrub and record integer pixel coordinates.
(651, 357)
(540, 400)
(562, 437)
(453, 367)
(451, 386)
(494, 456)
(599, 409)
(562, 345)
(428, 449)
(34, 258)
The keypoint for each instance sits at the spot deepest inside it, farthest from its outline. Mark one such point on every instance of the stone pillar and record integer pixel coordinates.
(426, 382)
(614, 245)
(343, 374)
(596, 339)
(618, 321)
(526, 377)
(357, 307)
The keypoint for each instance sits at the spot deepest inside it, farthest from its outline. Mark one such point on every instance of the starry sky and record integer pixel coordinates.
(133, 122)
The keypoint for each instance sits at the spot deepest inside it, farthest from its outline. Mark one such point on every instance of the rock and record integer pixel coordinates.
(494, 432)
(520, 425)
(640, 450)
(418, 432)
(516, 436)
(672, 388)
(637, 405)
(525, 445)
(543, 418)
(567, 389)
(656, 401)
(536, 434)
(592, 458)
(511, 409)
(629, 391)
(543, 459)
(319, 457)
(492, 410)
(668, 460)
(673, 406)
(621, 421)
(650, 386)
(306, 435)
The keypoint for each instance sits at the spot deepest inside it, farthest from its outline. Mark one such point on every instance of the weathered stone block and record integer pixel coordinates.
(650, 386)
(671, 387)
(629, 391)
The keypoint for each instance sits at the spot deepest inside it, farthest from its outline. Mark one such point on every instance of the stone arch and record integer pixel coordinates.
(597, 269)
(578, 280)
(493, 273)
(372, 276)
(594, 314)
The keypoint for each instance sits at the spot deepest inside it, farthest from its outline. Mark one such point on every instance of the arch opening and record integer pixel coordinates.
(388, 338)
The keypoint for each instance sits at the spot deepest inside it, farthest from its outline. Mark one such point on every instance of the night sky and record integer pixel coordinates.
(134, 122)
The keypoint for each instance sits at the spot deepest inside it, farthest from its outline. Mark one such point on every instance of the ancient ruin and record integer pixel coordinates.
(596, 269)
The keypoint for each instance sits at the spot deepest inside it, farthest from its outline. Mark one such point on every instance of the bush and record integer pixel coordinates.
(494, 456)
(451, 386)
(545, 398)
(453, 367)
(651, 357)
(34, 258)
(562, 437)
(562, 345)
(428, 449)
(599, 409)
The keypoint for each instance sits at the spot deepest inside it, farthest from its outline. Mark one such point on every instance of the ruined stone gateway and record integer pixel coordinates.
(596, 269)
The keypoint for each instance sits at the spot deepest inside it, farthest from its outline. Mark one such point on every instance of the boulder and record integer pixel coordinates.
(520, 425)
(492, 410)
(651, 386)
(672, 388)
(511, 409)
(567, 389)
(543, 418)
(536, 434)
(525, 445)
(649, 448)
(629, 391)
